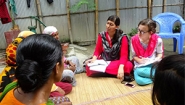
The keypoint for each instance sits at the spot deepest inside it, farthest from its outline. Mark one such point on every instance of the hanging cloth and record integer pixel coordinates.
(50, 1)
(4, 15)
(28, 3)
(13, 7)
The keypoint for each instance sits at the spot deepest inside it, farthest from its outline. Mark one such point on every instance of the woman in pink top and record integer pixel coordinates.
(147, 48)
(112, 45)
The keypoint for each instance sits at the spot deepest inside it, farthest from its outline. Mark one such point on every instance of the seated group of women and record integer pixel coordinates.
(40, 64)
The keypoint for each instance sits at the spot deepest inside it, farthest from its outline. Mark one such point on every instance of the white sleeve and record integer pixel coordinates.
(160, 46)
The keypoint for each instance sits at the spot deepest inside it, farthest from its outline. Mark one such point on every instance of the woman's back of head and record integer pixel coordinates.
(169, 81)
(36, 57)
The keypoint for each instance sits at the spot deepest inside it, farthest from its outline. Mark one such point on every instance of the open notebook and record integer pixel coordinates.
(99, 65)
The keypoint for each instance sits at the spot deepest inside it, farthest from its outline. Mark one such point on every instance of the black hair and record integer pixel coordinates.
(36, 57)
(119, 32)
(169, 81)
(150, 23)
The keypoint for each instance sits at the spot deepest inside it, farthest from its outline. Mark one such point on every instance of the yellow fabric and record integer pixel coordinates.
(54, 87)
(25, 34)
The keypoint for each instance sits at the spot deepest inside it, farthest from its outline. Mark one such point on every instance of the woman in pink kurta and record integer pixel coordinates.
(112, 45)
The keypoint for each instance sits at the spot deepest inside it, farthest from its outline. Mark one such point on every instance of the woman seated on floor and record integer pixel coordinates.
(39, 65)
(112, 47)
(8, 74)
(72, 65)
(169, 81)
(147, 48)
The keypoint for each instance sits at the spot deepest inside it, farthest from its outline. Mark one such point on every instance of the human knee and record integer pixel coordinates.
(67, 73)
(140, 81)
(128, 68)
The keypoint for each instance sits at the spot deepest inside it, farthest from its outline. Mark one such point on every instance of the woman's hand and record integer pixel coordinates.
(120, 74)
(71, 64)
(91, 60)
(73, 67)
(142, 60)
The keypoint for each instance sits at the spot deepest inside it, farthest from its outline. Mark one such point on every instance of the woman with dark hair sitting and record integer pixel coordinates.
(169, 81)
(113, 47)
(39, 64)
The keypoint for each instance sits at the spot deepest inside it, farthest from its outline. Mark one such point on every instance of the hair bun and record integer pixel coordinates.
(29, 75)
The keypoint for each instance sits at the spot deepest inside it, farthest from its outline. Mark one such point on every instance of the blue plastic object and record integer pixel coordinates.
(166, 21)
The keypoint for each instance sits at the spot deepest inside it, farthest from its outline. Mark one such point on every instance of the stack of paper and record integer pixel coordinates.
(99, 65)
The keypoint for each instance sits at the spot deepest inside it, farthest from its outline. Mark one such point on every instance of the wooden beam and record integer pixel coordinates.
(117, 8)
(96, 20)
(163, 8)
(69, 22)
(149, 8)
(184, 9)
(39, 14)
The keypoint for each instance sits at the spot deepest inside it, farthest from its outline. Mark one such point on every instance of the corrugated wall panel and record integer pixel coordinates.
(55, 8)
(4, 28)
(106, 4)
(175, 6)
(174, 1)
(83, 7)
(132, 3)
(23, 10)
(130, 18)
(175, 9)
(131, 13)
(83, 27)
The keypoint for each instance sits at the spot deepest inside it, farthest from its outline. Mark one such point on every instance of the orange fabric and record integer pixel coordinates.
(9, 99)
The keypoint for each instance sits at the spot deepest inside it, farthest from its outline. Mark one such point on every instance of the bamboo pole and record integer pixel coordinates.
(149, 9)
(69, 22)
(184, 8)
(117, 8)
(163, 8)
(39, 14)
(96, 19)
